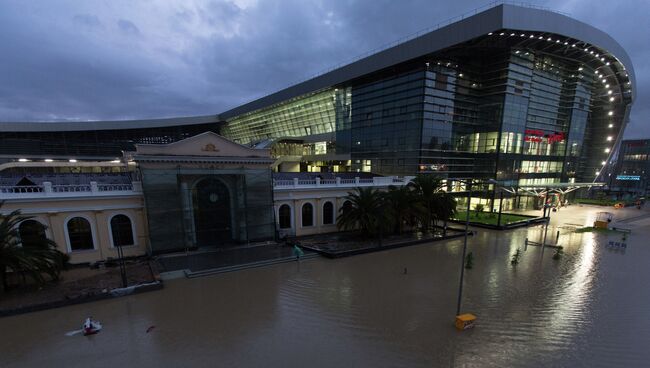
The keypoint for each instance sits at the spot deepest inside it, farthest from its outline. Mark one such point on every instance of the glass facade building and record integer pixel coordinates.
(525, 96)
(95, 139)
(629, 177)
(521, 107)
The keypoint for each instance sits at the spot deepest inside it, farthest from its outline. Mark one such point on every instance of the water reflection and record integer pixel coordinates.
(586, 309)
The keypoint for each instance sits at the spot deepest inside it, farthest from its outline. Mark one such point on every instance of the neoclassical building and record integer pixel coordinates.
(88, 221)
(205, 190)
(202, 192)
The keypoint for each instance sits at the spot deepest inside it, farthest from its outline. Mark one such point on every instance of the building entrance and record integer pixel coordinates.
(212, 219)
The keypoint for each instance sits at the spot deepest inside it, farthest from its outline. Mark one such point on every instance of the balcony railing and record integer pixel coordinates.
(377, 181)
(47, 190)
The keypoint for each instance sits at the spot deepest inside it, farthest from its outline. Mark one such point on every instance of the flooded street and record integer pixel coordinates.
(586, 309)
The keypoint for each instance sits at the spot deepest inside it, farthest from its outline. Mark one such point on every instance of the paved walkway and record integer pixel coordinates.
(203, 260)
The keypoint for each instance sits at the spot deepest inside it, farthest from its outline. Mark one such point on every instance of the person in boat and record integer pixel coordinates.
(90, 326)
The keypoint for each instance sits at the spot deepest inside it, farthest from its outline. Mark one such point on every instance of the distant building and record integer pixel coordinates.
(630, 176)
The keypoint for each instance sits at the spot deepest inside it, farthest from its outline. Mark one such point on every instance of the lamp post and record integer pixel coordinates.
(468, 183)
(500, 208)
(548, 219)
(120, 259)
(120, 254)
(462, 260)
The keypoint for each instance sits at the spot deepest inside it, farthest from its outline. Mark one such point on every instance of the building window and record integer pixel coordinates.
(32, 234)
(328, 213)
(441, 81)
(80, 235)
(307, 215)
(122, 231)
(285, 216)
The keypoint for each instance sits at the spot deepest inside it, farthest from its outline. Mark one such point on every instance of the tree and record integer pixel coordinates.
(479, 208)
(40, 258)
(437, 205)
(402, 207)
(365, 213)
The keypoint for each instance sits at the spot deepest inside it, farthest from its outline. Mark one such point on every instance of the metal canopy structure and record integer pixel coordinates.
(542, 189)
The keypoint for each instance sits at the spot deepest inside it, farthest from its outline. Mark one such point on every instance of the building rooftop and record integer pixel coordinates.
(449, 33)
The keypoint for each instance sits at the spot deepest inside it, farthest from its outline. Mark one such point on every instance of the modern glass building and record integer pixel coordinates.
(521, 95)
(93, 140)
(629, 177)
(518, 94)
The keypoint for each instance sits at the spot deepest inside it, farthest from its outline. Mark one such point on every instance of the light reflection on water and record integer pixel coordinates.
(586, 309)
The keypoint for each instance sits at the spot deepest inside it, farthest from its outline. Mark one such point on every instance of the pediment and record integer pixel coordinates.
(207, 144)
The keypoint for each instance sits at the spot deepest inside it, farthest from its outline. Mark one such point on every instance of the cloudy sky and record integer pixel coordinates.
(126, 59)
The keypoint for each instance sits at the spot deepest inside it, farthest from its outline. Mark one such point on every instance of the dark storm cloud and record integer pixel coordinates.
(627, 22)
(128, 27)
(95, 60)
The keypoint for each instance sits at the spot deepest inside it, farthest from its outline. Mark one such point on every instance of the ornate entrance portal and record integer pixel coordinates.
(212, 219)
(205, 191)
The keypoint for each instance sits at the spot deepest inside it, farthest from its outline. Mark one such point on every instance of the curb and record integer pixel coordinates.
(115, 293)
(355, 252)
(512, 225)
(214, 271)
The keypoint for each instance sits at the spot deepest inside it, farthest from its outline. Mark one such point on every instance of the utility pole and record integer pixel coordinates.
(500, 207)
(462, 260)
(548, 219)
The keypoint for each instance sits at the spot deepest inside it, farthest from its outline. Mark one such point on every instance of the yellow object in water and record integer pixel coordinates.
(600, 224)
(465, 321)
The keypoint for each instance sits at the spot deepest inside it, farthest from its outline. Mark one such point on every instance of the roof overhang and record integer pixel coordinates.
(69, 126)
(500, 17)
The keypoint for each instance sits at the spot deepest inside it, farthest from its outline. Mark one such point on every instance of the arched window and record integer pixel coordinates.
(285, 216)
(122, 231)
(80, 235)
(328, 213)
(307, 215)
(32, 234)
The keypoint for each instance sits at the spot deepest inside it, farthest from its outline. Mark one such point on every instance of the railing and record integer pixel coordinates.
(21, 189)
(378, 181)
(68, 190)
(114, 187)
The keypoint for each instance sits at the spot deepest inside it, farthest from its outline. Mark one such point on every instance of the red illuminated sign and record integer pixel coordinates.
(534, 135)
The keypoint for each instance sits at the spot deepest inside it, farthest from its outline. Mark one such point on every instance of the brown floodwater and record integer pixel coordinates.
(586, 309)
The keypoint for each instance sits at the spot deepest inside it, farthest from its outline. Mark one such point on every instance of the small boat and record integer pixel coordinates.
(91, 327)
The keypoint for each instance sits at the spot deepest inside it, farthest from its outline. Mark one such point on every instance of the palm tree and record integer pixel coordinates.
(365, 212)
(436, 203)
(402, 206)
(36, 260)
(444, 206)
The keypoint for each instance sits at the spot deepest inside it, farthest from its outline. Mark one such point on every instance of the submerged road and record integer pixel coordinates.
(588, 309)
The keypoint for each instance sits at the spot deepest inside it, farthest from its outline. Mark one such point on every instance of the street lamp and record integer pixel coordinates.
(547, 205)
(462, 260)
(122, 265)
(497, 185)
(468, 184)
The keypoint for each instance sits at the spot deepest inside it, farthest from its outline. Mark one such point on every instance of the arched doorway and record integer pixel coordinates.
(32, 234)
(212, 221)
(285, 216)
